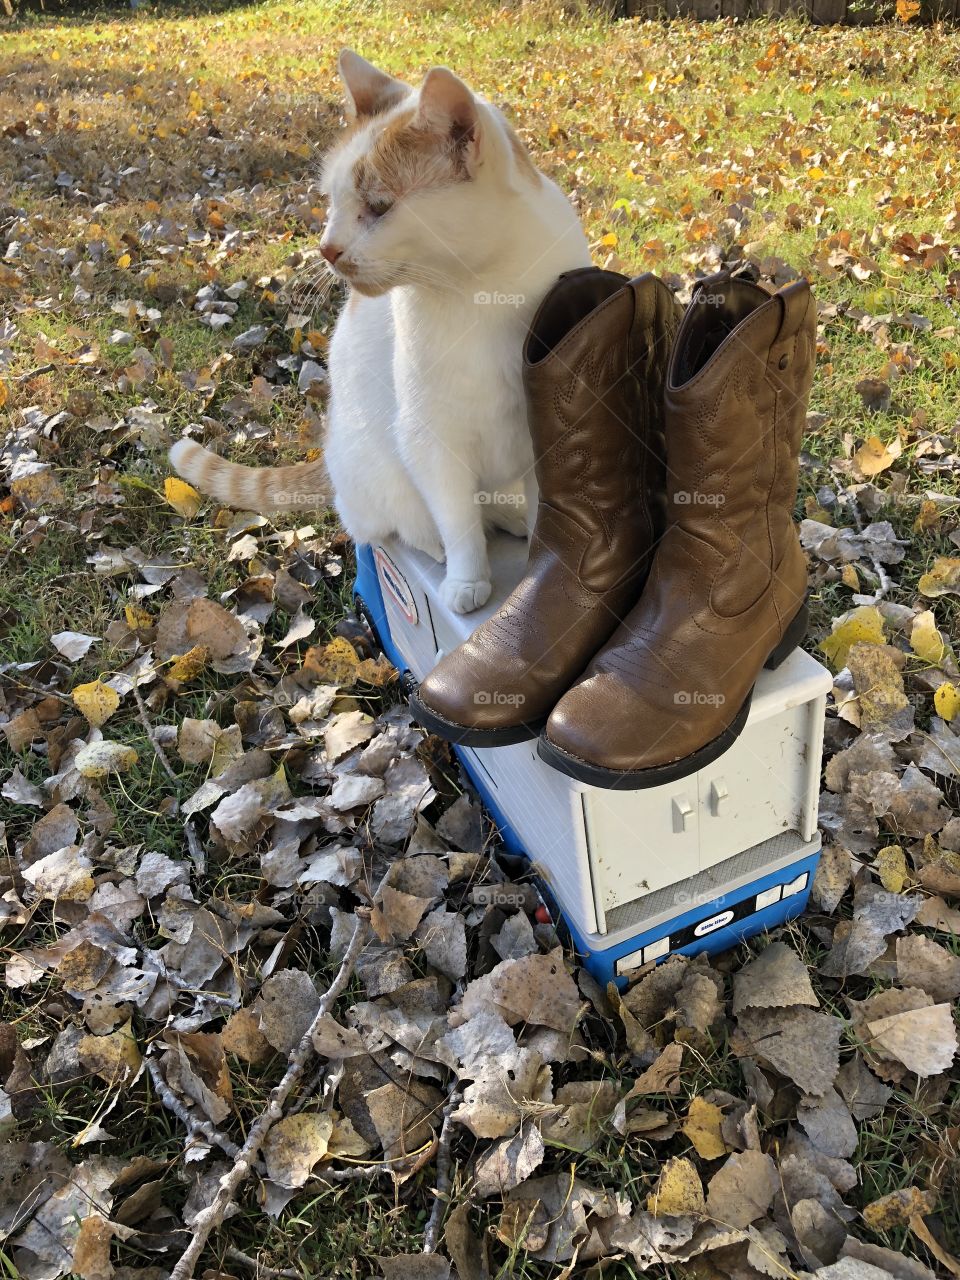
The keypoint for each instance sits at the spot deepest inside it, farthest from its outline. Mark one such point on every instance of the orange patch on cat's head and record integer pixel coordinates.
(406, 156)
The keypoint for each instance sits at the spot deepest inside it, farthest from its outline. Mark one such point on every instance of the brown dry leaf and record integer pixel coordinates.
(678, 1190)
(510, 1162)
(878, 681)
(703, 1128)
(295, 1145)
(923, 963)
(926, 1237)
(832, 878)
(776, 978)
(197, 739)
(535, 989)
(924, 1040)
(743, 1189)
(664, 1074)
(397, 914)
(91, 1253)
(242, 1036)
(798, 1043)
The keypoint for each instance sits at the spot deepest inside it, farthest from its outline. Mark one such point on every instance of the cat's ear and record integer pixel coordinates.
(368, 91)
(448, 107)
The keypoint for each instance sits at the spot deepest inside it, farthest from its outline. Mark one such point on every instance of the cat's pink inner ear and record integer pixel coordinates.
(368, 90)
(447, 106)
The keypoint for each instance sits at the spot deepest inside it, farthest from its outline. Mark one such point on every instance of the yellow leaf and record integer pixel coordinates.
(678, 1190)
(336, 663)
(815, 173)
(928, 519)
(943, 579)
(861, 626)
(946, 700)
(100, 759)
(875, 456)
(97, 701)
(182, 497)
(4, 393)
(189, 665)
(849, 577)
(113, 1057)
(196, 102)
(138, 619)
(907, 10)
(609, 241)
(925, 640)
(123, 261)
(897, 1208)
(702, 1127)
(891, 867)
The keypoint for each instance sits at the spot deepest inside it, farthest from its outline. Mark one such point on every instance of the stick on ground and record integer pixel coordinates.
(212, 1217)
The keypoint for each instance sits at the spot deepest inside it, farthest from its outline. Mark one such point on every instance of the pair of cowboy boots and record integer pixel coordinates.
(665, 569)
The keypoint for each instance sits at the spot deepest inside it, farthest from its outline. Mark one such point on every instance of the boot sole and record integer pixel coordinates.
(639, 779)
(462, 735)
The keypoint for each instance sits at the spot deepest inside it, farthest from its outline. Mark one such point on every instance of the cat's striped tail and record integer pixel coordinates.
(304, 486)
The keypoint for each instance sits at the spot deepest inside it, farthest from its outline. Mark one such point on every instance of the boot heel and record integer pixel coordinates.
(793, 635)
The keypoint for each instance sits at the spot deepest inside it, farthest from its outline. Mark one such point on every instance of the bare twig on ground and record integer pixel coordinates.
(211, 1217)
(194, 1126)
(442, 1192)
(259, 1269)
(149, 730)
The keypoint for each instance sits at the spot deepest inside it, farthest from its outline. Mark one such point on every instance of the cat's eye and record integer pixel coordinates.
(377, 208)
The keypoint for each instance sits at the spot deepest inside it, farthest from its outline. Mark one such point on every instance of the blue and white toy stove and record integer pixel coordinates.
(695, 865)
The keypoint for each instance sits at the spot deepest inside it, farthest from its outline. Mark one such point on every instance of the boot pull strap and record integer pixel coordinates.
(794, 303)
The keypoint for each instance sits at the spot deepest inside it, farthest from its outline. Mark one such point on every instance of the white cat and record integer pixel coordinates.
(448, 237)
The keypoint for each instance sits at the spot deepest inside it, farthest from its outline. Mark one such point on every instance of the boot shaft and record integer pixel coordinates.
(735, 406)
(594, 367)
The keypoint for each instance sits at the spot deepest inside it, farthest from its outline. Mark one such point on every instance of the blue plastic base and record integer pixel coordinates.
(745, 922)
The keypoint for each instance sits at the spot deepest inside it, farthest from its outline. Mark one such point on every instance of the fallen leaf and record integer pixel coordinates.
(96, 701)
(924, 1040)
(678, 1190)
(182, 497)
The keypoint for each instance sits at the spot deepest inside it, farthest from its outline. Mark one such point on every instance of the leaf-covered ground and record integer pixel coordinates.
(207, 784)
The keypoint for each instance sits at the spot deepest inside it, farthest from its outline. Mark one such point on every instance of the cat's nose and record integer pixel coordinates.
(331, 252)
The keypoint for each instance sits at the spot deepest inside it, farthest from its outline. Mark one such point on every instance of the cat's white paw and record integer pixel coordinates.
(463, 596)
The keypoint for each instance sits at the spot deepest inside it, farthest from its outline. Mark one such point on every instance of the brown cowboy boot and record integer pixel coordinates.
(671, 689)
(594, 364)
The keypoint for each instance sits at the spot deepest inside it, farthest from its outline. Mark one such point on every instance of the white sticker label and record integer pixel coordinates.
(395, 585)
(715, 922)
